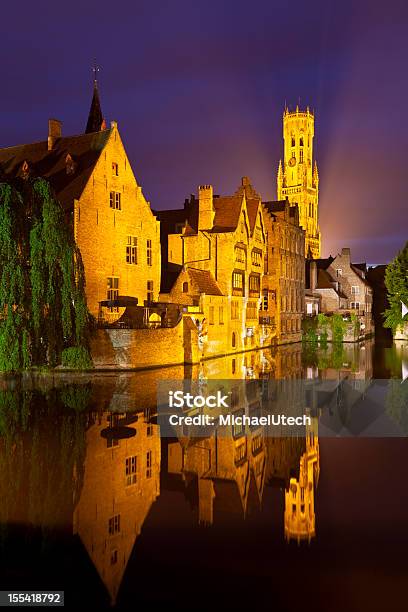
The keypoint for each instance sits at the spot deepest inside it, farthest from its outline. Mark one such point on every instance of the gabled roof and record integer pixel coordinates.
(204, 281)
(84, 150)
(252, 208)
(324, 280)
(227, 212)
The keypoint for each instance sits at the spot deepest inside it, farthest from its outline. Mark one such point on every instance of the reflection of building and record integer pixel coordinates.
(121, 482)
(299, 498)
(298, 178)
(228, 465)
(113, 225)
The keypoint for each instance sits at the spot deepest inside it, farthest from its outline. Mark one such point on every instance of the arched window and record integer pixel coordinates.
(185, 287)
(234, 340)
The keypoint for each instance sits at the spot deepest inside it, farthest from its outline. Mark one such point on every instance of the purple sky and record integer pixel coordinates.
(198, 90)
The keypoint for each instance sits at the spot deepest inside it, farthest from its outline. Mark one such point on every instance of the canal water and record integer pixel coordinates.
(95, 503)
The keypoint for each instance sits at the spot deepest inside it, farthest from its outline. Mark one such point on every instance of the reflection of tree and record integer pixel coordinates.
(397, 403)
(42, 447)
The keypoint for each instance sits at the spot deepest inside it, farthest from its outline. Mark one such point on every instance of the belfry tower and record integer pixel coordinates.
(298, 178)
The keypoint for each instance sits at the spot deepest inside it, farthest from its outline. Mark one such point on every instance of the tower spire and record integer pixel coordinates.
(95, 121)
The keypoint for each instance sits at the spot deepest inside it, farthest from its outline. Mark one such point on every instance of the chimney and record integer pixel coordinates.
(205, 207)
(313, 275)
(54, 132)
(346, 254)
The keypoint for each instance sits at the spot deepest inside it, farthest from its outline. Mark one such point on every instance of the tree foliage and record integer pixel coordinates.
(42, 283)
(396, 281)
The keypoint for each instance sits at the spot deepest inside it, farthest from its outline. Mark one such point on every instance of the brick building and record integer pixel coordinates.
(342, 287)
(213, 257)
(114, 227)
(284, 281)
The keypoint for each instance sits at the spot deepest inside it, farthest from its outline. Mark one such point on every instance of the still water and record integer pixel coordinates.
(115, 519)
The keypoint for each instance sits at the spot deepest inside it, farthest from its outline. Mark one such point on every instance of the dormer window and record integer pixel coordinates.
(69, 164)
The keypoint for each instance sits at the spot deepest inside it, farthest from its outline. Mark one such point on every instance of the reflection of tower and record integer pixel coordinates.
(299, 498)
(298, 178)
(121, 482)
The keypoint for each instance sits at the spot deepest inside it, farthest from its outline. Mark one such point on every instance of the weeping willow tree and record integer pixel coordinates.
(44, 318)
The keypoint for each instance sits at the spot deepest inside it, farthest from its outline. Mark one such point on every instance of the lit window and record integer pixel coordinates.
(131, 250)
(115, 201)
(150, 295)
(240, 254)
(254, 284)
(355, 290)
(149, 464)
(114, 557)
(238, 281)
(339, 272)
(265, 300)
(114, 524)
(221, 315)
(252, 310)
(113, 292)
(115, 169)
(149, 252)
(256, 257)
(130, 470)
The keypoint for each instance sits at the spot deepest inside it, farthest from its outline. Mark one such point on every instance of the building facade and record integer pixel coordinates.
(298, 178)
(284, 281)
(213, 260)
(342, 288)
(113, 225)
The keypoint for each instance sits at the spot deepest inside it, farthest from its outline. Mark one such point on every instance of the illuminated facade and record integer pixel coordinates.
(213, 261)
(113, 225)
(298, 178)
(283, 283)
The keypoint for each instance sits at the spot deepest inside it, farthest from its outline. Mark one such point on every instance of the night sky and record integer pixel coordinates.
(198, 90)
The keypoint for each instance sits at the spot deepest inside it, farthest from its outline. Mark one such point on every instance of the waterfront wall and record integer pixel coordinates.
(144, 348)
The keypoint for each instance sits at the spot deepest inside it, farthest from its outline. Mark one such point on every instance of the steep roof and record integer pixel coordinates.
(84, 150)
(227, 211)
(252, 208)
(204, 281)
(95, 118)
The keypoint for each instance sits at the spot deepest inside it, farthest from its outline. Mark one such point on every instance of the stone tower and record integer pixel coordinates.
(298, 178)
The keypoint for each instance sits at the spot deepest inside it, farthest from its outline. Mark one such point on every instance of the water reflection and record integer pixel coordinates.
(121, 481)
(83, 454)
